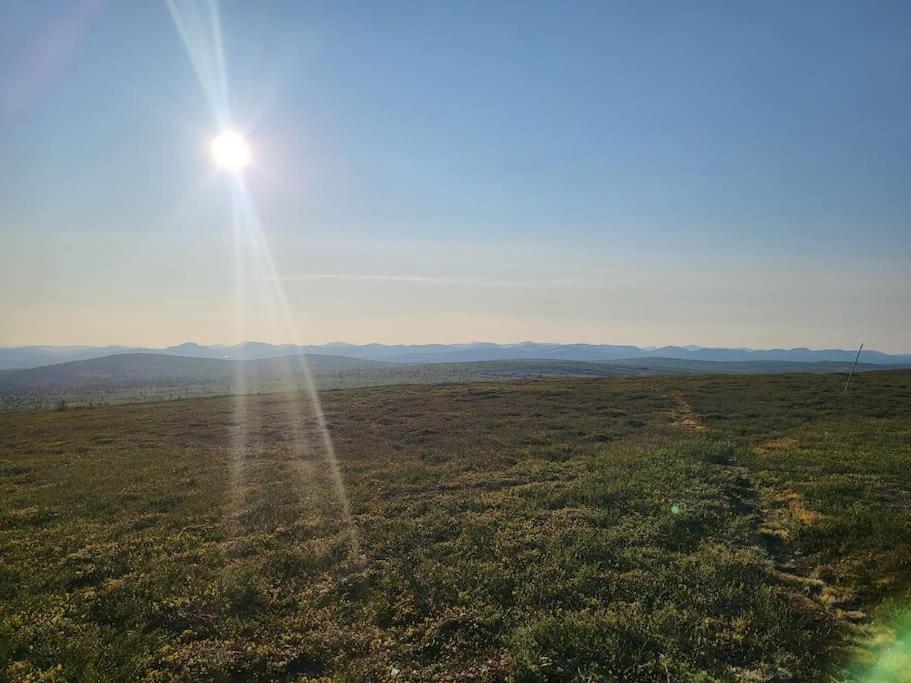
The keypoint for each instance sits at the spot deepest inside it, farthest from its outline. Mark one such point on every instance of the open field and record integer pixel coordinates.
(659, 528)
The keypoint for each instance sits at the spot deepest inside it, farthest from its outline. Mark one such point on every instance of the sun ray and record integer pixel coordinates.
(199, 27)
(303, 378)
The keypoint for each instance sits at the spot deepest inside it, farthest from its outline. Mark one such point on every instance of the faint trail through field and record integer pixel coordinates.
(773, 517)
(684, 416)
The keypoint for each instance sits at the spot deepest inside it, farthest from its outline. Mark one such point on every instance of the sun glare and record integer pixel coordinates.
(230, 151)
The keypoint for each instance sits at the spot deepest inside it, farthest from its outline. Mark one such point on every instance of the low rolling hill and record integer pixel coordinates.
(131, 368)
(129, 377)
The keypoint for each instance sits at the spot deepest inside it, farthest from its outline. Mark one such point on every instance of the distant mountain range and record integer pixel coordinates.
(35, 356)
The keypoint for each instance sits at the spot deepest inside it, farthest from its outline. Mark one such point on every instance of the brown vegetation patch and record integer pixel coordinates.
(797, 510)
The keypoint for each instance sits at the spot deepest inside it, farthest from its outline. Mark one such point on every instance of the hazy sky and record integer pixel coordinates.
(616, 172)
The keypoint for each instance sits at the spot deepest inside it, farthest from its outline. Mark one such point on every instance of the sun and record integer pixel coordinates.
(230, 151)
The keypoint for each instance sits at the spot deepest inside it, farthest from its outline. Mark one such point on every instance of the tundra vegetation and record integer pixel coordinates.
(673, 528)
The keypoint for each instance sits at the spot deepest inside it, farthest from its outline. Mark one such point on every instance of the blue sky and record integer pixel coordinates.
(711, 173)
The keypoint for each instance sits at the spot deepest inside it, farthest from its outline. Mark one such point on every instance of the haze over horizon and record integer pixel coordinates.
(729, 174)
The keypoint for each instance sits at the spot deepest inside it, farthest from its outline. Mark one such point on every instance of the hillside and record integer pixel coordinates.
(142, 377)
(131, 368)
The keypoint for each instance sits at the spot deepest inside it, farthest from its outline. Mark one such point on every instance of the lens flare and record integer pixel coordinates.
(886, 657)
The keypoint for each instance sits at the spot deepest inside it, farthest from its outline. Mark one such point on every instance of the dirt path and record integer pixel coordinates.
(772, 521)
(773, 516)
(684, 416)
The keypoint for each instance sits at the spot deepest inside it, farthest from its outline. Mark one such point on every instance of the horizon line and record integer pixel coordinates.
(649, 347)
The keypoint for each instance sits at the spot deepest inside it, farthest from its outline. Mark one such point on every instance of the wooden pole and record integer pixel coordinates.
(851, 374)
